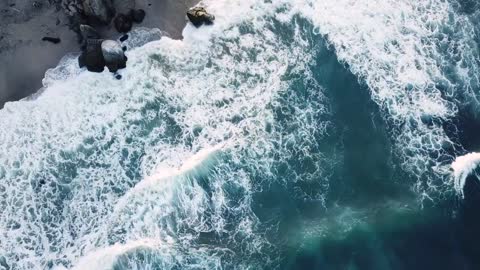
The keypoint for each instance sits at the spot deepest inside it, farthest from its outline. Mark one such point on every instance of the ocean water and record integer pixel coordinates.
(306, 134)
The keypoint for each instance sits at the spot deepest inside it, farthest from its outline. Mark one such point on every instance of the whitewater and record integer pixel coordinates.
(245, 141)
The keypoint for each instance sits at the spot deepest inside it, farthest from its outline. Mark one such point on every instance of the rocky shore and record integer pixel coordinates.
(35, 35)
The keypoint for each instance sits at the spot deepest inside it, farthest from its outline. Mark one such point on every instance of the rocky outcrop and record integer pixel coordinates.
(96, 52)
(86, 33)
(92, 56)
(95, 12)
(199, 16)
(100, 53)
(72, 7)
(123, 6)
(113, 55)
(102, 10)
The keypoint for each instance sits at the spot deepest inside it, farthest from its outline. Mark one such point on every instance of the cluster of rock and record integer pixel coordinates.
(85, 15)
(102, 11)
(98, 53)
(97, 11)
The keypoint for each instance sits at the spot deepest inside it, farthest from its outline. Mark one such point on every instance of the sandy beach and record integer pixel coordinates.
(24, 57)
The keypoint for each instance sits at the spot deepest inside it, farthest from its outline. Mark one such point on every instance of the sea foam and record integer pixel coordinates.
(463, 166)
(94, 165)
(400, 50)
(75, 151)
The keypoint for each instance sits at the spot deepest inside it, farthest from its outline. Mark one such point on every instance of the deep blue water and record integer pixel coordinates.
(438, 236)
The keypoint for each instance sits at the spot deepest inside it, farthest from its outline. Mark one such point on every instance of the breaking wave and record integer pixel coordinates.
(462, 167)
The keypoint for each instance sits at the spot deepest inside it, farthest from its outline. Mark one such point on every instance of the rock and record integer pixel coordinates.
(100, 53)
(114, 56)
(123, 23)
(71, 10)
(92, 56)
(137, 15)
(72, 7)
(123, 38)
(36, 4)
(199, 16)
(101, 10)
(75, 13)
(123, 6)
(51, 39)
(124, 48)
(118, 77)
(87, 32)
(74, 23)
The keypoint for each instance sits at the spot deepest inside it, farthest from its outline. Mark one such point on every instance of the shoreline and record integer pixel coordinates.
(25, 57)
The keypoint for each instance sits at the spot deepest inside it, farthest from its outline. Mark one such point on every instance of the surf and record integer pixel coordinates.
(178, 151)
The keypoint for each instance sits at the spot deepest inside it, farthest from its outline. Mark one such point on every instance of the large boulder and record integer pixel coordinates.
(199, 16)
(92, 56)
(123, 23)
(113, 54)
(101, 10)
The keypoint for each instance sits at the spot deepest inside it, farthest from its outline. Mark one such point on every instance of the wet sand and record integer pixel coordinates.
(24, 57)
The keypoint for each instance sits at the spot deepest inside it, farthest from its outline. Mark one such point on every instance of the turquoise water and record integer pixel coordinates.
(288, 135)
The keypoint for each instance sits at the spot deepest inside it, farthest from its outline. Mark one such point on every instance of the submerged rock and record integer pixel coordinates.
(123, 23)
(199, 16)
(92, 56)
(137, 15)
(114, 56)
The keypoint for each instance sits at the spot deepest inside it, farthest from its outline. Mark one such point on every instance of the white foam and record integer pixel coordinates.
(463, 166)
(105, 258)
(194, 165)
(163, 181)
(153, 254)
(402, 50)
(72, 155)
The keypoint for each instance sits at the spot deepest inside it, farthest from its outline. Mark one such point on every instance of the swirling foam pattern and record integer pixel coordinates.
(159, 170)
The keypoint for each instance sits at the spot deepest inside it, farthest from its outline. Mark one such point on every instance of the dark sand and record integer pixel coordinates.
(24, 57)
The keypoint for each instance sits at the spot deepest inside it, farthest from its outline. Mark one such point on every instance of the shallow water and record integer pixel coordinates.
(288, 135)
